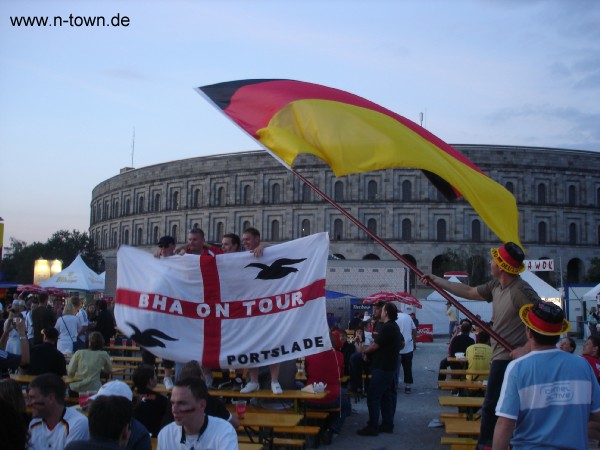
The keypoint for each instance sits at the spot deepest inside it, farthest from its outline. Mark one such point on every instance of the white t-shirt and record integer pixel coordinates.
(218, 435)
(406, 325)
(72, 427)
(68, 327)
(83, 322)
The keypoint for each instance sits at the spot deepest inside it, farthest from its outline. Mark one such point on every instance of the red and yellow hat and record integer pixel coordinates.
(509, 258)
(545, 318)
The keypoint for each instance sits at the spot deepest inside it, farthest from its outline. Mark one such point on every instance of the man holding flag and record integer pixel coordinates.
(508, 293)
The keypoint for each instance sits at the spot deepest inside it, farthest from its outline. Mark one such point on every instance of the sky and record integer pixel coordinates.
(507, 72)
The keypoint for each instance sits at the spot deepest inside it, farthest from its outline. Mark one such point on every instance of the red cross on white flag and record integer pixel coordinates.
(229, 311)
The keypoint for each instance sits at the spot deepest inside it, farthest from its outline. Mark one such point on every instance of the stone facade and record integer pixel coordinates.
(557, 192)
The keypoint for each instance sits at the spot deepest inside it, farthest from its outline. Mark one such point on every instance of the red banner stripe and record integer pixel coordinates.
(212, 296)
(229, 310)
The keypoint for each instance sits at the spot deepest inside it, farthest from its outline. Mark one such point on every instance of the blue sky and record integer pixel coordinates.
(484, 72)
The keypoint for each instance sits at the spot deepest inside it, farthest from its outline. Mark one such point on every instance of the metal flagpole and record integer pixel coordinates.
(406, 262)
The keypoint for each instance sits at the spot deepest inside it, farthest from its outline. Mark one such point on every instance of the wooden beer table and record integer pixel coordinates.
(462, 427)
(260, 425)
(462, 384)
(289, 394)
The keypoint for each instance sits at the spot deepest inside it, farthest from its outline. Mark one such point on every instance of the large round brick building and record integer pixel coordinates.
(557, 192)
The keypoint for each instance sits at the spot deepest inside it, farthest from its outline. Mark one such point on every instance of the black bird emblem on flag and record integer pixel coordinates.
(149, 337)
(276, 270)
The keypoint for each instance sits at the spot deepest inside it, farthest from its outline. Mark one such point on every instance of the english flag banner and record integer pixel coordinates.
(227, 311)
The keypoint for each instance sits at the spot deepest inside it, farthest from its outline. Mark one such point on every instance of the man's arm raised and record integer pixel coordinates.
(458, 289)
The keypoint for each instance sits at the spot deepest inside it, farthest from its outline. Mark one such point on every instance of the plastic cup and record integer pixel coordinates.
(240, 408)
(84, 398)
(112, 342)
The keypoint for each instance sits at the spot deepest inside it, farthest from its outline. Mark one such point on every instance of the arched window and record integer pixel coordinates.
(306, 193)
(220, 196)
(338, 191)
(572, 234)
(220, 232)
(510, 187)
(372, 226)
(406, 191)
(338, 229)
(245, 225)
(542, 233)
(247, 195)
(541, 194)
(305, 228)
(572, 196)
(275, 230)
(141, 204)
(196, 201)
(476, 231)
(106, 216)
(115, 209)
(174, 232)
(372, 190)
(138, 238)
(156, 202)
(406, 230)
(441, 230)
(127, 207)
(276, 193)
(114, 242)
(105, 239)
(155, 235)
(126, 237)
(175, 200)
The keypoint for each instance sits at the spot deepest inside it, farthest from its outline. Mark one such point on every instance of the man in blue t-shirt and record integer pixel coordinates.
(546, 390)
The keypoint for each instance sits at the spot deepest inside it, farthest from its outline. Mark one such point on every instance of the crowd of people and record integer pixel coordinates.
(40, 336)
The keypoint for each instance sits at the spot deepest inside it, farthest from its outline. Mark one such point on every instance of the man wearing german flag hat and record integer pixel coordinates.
(508, 294)
(546, 390)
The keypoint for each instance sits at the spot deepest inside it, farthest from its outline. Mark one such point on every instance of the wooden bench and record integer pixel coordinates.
(459, 443)
(277, 441)
(462, 427)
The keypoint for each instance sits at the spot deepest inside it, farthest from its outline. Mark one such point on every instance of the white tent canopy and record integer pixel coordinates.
(78, 276)
(543, 289)
(593, 294)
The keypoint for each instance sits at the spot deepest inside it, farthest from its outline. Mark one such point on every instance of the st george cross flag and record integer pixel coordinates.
(228, 311)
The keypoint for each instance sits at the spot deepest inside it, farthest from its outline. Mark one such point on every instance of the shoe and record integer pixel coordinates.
(253, 386)
(168, 383)
(367, 431)
(386, 428)
(276, 388)
(407, 390)
(327, 436)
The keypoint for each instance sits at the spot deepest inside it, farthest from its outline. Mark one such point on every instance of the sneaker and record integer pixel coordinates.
(253, 386)
(367, 431)
(168, 383)
(276, 388)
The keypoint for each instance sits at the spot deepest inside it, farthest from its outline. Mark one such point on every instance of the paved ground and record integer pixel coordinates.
(413, 414)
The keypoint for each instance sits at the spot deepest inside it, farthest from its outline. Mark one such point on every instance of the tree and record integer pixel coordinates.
(64, 245)
(593, 274)
(470, 261)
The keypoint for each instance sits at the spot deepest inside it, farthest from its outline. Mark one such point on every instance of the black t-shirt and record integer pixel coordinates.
(153, 410)
(389, 340)
(46, 358)
(460, 343)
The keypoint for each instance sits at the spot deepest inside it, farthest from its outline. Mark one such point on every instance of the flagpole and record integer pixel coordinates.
(406, 262)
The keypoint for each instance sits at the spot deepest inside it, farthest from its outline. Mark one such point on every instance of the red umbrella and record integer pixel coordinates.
(31, 288)
(408, 299)
(380, 297)
(55, 291)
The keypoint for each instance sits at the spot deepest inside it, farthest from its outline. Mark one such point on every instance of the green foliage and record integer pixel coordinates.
(593, 275)
(469, 260)
(64, 245)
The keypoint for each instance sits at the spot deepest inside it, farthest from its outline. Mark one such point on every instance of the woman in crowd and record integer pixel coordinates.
(151, 408)
(10, 392)
(87, 365)
(68, 329)
(15, 311)
(591, 352)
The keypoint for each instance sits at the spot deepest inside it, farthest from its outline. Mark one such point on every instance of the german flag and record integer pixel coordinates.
(354, 135)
